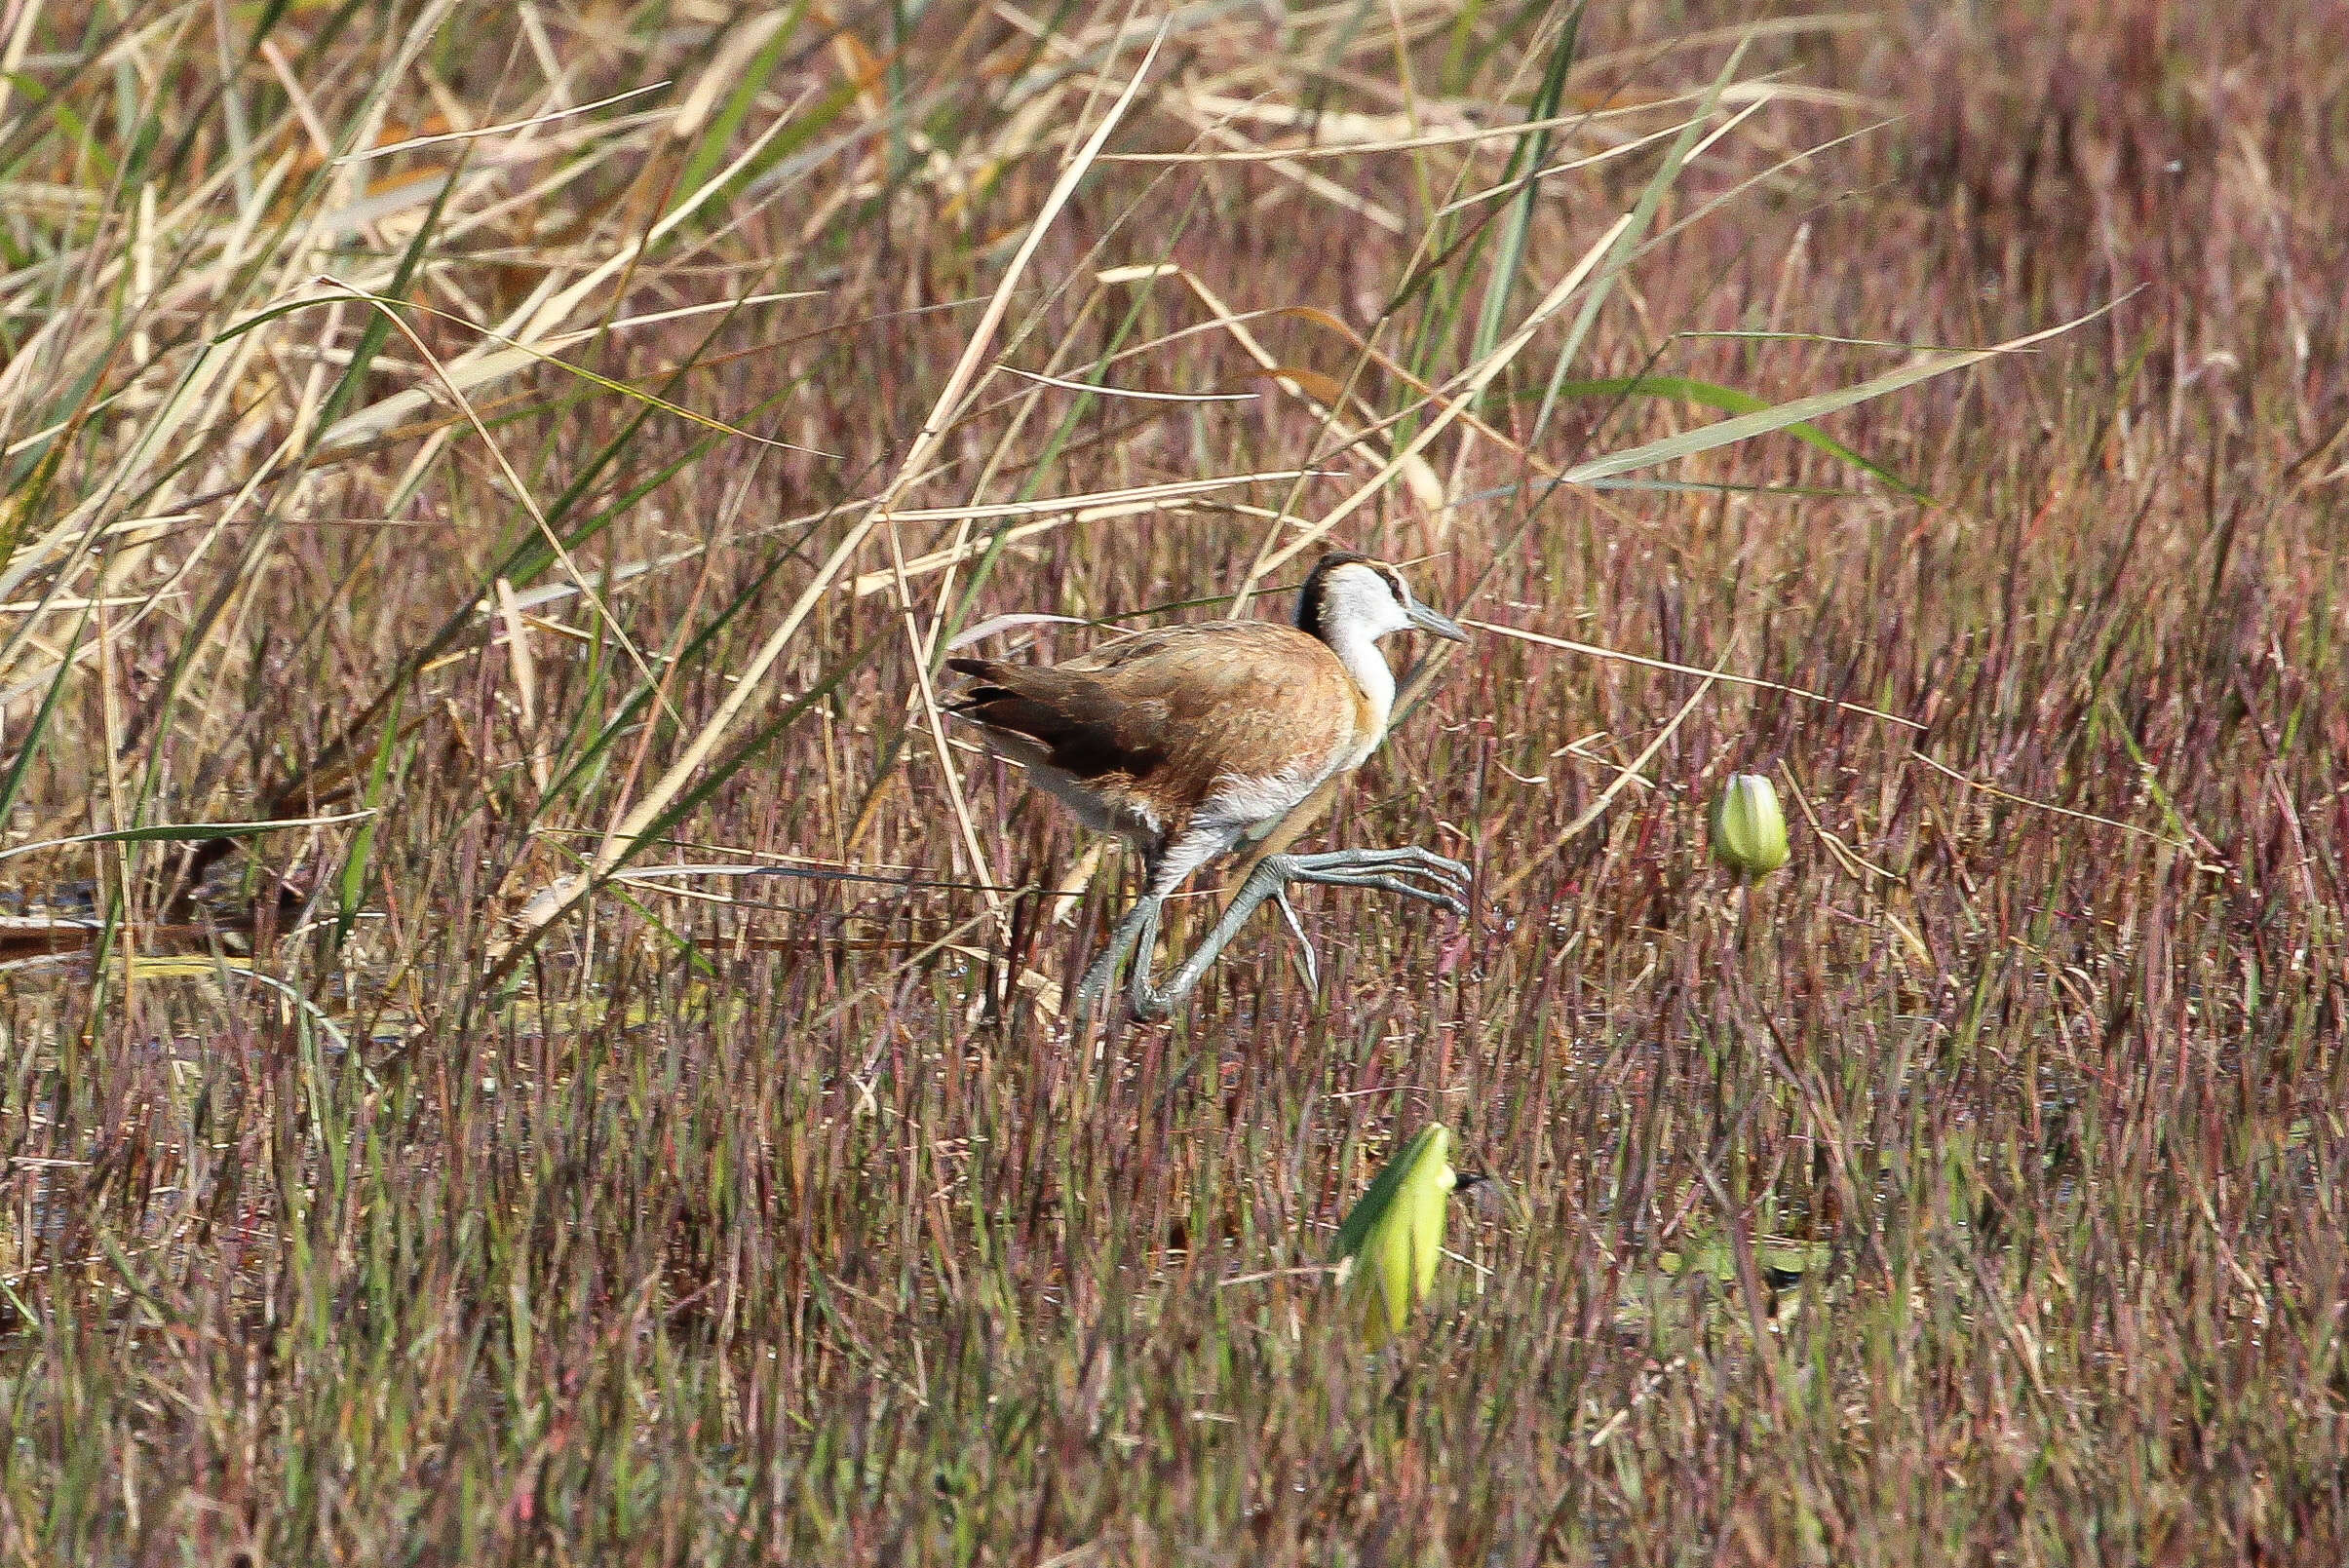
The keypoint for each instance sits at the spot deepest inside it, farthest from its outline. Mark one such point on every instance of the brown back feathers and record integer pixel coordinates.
(1172, 711)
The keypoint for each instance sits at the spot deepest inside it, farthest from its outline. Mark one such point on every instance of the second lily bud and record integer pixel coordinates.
(1388, 1246)
(1748, 830)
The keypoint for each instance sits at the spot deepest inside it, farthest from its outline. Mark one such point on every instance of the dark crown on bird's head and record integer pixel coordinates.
(1312, 597)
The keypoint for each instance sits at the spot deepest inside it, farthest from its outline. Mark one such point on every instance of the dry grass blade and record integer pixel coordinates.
(933, 720)
(521, 491)
(1993, 791)
(1414, 469)
(1096, 389)
(551, 901)
(507, 128)
(1606, 796)
(1061, 513)
(478, 371)
(1458, 396)
(185, 832)
(1593, 650)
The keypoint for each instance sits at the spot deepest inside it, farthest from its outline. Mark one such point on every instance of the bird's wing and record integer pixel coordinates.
(1250, 698)
(1065, 721)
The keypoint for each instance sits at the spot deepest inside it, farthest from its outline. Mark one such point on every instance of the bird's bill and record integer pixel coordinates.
(1442, 625)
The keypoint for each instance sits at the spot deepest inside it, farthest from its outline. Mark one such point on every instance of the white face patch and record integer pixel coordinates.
(1358, 601)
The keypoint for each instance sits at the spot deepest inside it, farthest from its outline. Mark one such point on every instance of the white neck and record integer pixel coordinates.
(1357, 648)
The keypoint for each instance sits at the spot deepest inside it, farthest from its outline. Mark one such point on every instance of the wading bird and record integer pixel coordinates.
(1188, 742)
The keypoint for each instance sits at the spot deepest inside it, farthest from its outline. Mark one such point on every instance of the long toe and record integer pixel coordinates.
(1421, 855)
(1408, 858)
(1412, 857)
(1448, 879)
(1448, 876)
(1297, 928)
(1446, 885)
(1383, 882)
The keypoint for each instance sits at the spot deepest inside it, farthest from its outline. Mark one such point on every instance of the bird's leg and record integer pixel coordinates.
(1264, 882)
(1138, 928)
(1383, 870)
(1140, 993)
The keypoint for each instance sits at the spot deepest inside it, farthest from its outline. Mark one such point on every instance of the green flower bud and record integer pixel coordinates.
(1748, 830)
(1388, 1246)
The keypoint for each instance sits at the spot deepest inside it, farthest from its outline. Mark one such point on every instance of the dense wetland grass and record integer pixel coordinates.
(420, 1179)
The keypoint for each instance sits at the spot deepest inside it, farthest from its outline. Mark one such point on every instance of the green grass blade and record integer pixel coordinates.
(1802, 411)
(351, 886)
(1729, 399)
(1643, 212)
(1529, 153)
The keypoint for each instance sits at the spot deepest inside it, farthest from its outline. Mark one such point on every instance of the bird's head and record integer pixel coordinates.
(1347, 593)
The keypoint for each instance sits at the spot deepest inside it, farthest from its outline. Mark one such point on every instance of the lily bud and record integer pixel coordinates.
(1748, 830)
(1388, 1246)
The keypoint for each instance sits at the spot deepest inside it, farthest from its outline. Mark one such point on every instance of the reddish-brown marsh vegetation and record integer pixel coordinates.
(366, 1200)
